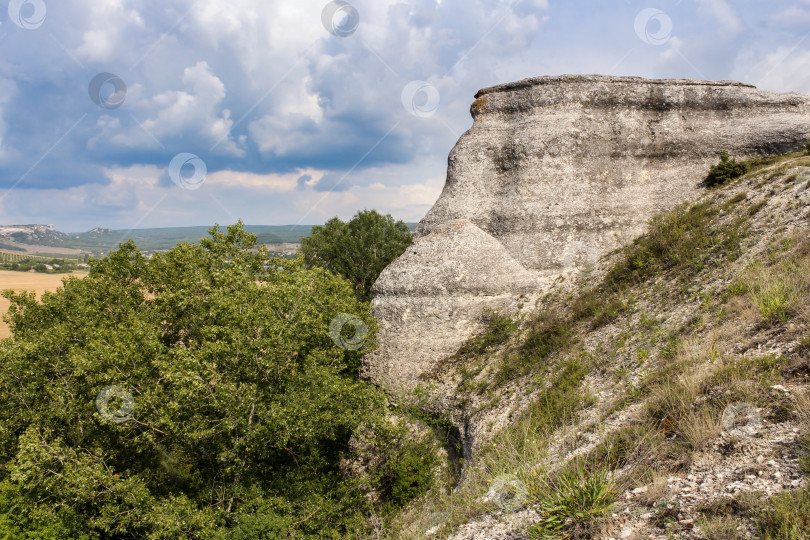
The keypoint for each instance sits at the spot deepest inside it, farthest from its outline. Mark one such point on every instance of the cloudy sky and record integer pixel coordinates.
(151, 113)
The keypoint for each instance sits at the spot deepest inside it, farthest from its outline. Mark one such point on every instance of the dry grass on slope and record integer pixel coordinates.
(660, 400)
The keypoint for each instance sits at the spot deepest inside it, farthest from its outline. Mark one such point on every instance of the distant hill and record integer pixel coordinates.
(42, 235)
(46, 239)
(166, 238)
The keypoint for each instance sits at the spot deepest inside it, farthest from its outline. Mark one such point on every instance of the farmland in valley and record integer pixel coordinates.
(29, 281)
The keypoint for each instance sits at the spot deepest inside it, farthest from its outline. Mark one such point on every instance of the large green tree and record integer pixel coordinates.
(198, 394)
(358, 249)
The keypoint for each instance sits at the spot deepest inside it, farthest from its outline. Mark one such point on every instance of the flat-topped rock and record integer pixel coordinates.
(555, 172)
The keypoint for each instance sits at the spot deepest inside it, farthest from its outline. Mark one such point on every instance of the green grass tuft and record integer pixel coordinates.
(778, 291)
(574, 504)
(756, 207)
(499, 328)
(720, 528)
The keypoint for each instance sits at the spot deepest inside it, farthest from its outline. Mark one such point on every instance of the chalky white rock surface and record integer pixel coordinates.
(555, 172)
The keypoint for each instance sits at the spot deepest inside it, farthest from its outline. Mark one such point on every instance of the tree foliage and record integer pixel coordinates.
(241, 403)
(358, 249)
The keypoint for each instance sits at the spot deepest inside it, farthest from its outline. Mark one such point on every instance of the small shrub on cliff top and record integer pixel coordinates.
(728, 169)
(807, 147)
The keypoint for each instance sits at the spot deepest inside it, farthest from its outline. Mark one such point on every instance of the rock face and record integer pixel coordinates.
(554, 173)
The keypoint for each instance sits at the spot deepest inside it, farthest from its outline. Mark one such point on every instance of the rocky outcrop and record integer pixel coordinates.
(554, 173)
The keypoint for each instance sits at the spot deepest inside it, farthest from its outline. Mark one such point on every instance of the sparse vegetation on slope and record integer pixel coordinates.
(676, 380)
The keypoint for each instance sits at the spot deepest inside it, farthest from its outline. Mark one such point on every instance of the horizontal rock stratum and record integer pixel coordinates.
(555, 172)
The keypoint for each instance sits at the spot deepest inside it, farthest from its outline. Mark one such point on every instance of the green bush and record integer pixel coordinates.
(725, 171)
(787, 516)
(408, 472)
(807, 147)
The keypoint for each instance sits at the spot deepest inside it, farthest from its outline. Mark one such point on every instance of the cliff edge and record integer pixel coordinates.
(555, 173)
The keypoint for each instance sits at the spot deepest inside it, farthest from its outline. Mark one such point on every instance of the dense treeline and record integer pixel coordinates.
(208, 392)
(38, 264)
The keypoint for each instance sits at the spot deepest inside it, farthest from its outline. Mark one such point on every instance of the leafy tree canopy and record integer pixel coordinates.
(197, 394)
(358, 249)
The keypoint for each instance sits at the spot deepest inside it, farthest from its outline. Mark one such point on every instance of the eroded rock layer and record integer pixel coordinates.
(555, 172)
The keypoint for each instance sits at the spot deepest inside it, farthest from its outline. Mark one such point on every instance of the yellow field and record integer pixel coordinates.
(29, 281)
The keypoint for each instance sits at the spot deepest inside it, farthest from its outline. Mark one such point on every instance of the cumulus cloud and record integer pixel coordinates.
(786, 67)
(291, 120)
(140, 198)
(195, 110)
(725, 16)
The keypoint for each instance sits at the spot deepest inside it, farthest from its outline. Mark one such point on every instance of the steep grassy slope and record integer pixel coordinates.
(665, 393)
